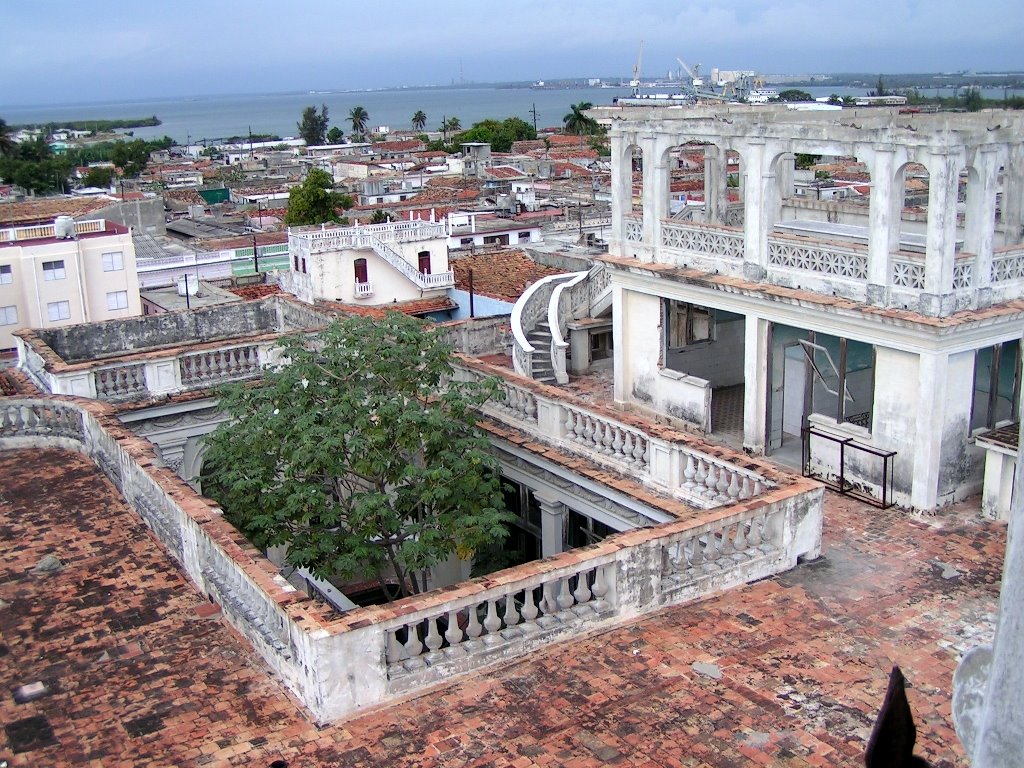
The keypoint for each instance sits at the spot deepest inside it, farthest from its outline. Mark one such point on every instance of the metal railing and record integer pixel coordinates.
(842, 482)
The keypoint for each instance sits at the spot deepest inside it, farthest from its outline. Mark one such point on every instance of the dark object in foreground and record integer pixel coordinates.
(892, 741)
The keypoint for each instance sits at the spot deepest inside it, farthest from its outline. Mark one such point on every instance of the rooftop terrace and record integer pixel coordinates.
(141, 671)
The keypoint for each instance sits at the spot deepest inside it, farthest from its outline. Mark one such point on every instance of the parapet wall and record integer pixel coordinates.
(338, 664)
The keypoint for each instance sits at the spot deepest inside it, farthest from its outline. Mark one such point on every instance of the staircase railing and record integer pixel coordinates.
(423, 281)
(531, 307)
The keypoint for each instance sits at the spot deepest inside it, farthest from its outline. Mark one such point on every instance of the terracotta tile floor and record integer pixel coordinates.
(140, 675)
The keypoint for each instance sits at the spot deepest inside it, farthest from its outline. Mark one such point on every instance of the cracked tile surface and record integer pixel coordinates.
(141, 671)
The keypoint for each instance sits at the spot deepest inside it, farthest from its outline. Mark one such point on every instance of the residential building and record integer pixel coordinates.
(368, 264)
(63, 273)
(869, 344)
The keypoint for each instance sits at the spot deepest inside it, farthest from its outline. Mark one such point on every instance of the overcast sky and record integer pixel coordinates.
(101, 50)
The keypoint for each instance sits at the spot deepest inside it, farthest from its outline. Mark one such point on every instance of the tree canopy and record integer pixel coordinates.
(499, 135)
(419, 119)
(362, 455)
(359, 118)
(578, 123)
(314, 201)
(795, 94)
(313, 126)
(335, 135)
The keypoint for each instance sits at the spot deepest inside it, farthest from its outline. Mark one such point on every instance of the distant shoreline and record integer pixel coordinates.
(96, 126)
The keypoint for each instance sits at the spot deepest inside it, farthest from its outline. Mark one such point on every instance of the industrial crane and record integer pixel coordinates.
(694, 74)
(635, 82)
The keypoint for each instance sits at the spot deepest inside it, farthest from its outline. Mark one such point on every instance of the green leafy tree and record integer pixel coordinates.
(98, 177)
(804, 161)
(131, 157)
(359, 118)
(357, 458)
(795, 94)
(419, 119)
(380, 216)
(578, 123)
(313, 126)
(314, 201)
(6, 139)
(973, 100)
(335, 135)
(500, 135)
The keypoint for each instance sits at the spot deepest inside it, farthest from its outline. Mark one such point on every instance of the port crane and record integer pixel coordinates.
(635, 82)
(695, 79)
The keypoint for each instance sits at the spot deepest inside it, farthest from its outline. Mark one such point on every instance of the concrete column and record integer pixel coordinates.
(929, 427)
(619, 358)
(784, 170)
(655, 191)
(755, 378)
(621, 188)
(979, 224)
(943, 178)
(715, 184)
(995, 729)
(755, 216)
(883, 221)
(1012, 208)
(554, 520)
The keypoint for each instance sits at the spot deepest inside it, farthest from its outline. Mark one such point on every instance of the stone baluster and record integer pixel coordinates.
(745, 490)
(491, 621)
(510, 616)
(701, 476)
(740, 542)
(734, 485)
(394, 648)
(529, 611)
(726, 545)
(599, 589)
(582, 591)
(689, 472)
(618, 443)
(433, 639)
(711, 482)
(711, 552)
(608, 438)
(722, 486)
(588, 430)
(641, 453)
(548, 599)
(453, 634)
(570, 424)
(564, 599)
(473, 628)
(754, 536)
(413, 647)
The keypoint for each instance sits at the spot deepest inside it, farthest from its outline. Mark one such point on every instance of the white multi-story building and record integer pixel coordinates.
(64, 273)
(372, 264)
(872, 341)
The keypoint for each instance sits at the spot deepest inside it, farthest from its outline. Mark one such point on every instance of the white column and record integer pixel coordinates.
(979, 224)
(619, 359)
(755, 216)
(886, 204)
(943, 178)
(1012, 207)
(621, 189)
(1000, 731)
(715, 184)
(554, 519)
(755, 378)
(655, 191)
(931, 396)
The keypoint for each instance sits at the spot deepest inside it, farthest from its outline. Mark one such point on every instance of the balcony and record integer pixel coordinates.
(812, 256)
(363, 290)
(164, 360)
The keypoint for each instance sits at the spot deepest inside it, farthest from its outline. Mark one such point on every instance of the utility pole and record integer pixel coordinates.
(533, 111)
(255, 256)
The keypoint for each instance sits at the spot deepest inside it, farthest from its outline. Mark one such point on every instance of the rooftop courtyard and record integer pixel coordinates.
(138, 669)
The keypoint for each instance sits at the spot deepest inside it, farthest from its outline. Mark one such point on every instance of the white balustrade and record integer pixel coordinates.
(617, 442)
(634, 229)
(1008, 264)
(907, 274)
(705, 239)
(363, 290)
(525, 610)
(219, 365)
(848, 261)
(120, 381)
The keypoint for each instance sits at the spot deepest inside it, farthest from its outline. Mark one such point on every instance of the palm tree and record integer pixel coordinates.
(578, 123)
(6, 140)
(359, 118)
(419, 120)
